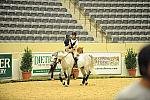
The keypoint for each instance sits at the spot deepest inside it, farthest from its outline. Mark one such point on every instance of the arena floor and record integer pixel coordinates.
(97, 89)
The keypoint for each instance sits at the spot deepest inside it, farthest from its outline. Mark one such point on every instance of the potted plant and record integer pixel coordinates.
(26, 64)
(131, 62)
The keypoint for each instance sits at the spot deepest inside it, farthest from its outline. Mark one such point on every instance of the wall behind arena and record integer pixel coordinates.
(18, 48)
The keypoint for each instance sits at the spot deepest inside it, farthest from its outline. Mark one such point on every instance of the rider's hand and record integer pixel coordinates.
(70, 50)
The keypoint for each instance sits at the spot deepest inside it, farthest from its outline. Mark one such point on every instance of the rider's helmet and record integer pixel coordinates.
(74, 33)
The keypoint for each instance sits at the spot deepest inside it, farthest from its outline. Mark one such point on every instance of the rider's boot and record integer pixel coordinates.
(75, 60)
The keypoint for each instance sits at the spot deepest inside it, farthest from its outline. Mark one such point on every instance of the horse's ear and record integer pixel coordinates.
(54, 54)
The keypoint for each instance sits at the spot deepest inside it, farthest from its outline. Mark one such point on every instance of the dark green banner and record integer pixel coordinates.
(5, 65)
(45, 70)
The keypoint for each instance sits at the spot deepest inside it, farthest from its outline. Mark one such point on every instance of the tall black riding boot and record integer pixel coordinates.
(75, 62)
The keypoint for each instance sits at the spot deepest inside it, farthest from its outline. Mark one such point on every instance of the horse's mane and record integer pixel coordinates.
(61, 51)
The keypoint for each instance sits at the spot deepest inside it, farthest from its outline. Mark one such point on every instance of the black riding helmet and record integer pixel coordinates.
(74, 33)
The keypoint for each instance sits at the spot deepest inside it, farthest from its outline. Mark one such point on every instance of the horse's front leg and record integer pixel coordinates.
(67, 79)
(61, 79)
(67, 76)
(69, 73)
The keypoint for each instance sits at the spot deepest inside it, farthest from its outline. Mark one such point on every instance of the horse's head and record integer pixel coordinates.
(58, 55)
(54, 56)
(61, 54)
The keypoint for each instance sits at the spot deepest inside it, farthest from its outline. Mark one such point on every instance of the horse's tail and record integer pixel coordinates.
(92, 65)
(92, 61)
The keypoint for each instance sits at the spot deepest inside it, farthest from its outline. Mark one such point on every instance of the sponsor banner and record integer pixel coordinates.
(5, 65)
(104, 63)
(41, 64)
(107, 63)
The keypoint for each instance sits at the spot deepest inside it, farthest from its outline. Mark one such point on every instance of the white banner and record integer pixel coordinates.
(107, 63)
(104, 63)
(41, 64)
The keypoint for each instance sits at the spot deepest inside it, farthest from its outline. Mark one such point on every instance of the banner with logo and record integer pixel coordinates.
(5, 65)
(107, 63)
(104, 63)
(41, 64)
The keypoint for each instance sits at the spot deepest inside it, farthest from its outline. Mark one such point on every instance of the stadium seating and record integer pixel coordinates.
(37, 20)
(123, 20)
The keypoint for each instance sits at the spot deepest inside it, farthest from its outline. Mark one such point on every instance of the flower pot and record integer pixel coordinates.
(26, 75)
(75, 72)
(132, 72)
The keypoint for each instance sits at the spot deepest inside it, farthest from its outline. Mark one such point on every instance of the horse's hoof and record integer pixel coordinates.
(63, 83)
(86, 83)
(66, 85)
(81, 84)
(52, 79)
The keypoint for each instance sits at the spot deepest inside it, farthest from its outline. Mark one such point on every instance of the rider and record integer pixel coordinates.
(66, 42)
(52, 68)
(71, 46)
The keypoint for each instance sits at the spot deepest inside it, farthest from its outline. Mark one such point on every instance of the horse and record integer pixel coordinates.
(85, 63)
(67, 62)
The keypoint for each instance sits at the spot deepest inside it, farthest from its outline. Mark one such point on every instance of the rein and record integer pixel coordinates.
(62, 57)
(65, 56)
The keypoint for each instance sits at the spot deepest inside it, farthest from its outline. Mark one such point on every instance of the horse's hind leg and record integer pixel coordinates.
(84, 75)
(86, 78)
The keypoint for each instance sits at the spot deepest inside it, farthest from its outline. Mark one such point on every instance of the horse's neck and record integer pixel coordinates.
(67, 58)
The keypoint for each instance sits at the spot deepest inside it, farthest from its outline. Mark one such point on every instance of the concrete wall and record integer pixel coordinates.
(16, 72)
(18, 48)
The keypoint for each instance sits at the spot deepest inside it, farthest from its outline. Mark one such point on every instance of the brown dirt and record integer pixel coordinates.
(97, 89)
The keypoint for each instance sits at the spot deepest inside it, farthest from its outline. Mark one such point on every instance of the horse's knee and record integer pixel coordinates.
(65, 74)
(84, 75)
(82, 67)
(59, 74)
(89, 72)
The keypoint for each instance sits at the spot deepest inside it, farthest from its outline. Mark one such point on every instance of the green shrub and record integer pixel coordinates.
(26, 62)
(130, 59)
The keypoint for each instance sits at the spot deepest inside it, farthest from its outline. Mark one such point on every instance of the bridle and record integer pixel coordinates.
(63, 57)
(59, 60)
